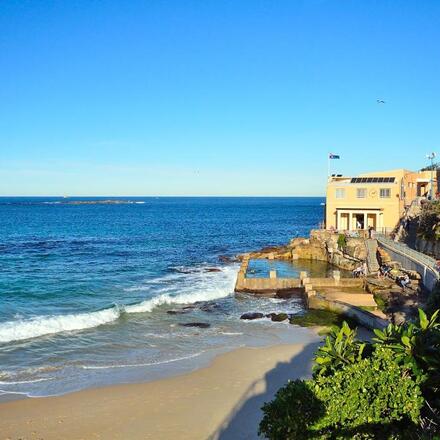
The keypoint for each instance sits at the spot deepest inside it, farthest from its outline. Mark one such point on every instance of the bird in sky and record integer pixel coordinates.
(380, 101)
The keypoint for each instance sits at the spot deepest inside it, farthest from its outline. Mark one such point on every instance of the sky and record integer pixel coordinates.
(208, 97)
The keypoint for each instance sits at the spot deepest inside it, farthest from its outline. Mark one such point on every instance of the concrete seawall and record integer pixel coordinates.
(264, 285)
(364, 317)
(273, 284)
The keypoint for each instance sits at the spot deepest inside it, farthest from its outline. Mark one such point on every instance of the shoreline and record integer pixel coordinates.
(218, 401)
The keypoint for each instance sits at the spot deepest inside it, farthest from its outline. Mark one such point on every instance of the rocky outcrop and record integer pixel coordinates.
(428, 247)
(322, 245)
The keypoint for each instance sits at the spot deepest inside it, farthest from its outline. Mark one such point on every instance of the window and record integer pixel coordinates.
(361, 193)
(340, 193)
(385, 193)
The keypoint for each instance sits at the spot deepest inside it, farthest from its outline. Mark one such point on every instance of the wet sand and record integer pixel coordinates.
(221, 401)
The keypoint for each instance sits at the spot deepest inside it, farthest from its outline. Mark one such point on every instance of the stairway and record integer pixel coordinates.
(372, 264)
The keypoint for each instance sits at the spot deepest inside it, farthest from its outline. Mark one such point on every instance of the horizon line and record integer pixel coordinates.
(167, 195)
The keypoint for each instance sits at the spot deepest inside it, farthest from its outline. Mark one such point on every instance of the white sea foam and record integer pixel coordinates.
(17, 382)
(231, 333)
(44, 325)
(148, 364)
(184, 298)
(197, 287)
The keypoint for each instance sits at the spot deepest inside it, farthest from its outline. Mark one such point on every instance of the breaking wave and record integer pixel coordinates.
(46, 325)
(198, 288)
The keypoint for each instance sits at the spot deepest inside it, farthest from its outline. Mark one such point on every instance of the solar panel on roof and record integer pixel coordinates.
(372, 180)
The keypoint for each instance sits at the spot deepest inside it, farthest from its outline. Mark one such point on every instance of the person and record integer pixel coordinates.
(403, 281)
(370, 231)
(437, 265)
(384, 271)
(359, 224)
(358, 272)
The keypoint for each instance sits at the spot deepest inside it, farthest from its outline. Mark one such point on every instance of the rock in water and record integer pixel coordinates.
(278, 317)
(195, 324)
(228, 259)
(252, 315)
(177, 311)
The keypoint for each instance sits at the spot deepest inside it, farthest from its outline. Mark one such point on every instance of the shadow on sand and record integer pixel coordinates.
(242, 423)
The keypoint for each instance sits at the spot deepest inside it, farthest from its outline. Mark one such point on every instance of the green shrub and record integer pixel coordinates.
(387, 389)
(417, 346)
(372, 398)
(340, 348)
(429, 221)
(373, 391)
(292, 412)
(342, 241)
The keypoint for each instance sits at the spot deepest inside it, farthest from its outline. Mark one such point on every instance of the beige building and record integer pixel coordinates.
(374, 199)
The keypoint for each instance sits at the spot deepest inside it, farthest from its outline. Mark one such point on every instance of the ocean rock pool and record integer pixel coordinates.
(260, 268)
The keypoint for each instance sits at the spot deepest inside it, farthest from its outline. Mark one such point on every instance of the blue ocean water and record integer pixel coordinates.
(97, 293)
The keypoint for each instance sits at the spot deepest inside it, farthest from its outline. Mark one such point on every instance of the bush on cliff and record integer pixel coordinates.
(361, 400)
(429, 222)
(387, 389)
(293, 411)
(340, 348)
(342, 241)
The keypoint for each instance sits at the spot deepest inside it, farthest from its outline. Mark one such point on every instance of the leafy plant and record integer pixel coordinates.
(292, 412)
(340, 348)
(375, 390)
(342, 241)
(372, 398)
(387, 389)
(429, 221)
(417, 345)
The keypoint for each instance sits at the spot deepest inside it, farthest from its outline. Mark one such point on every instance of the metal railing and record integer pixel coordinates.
(402, 248)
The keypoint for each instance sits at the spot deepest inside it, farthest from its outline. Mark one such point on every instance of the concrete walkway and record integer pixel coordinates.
(354, 299)
(372, 264)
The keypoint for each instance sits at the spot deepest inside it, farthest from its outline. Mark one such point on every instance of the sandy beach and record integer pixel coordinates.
(221, 401)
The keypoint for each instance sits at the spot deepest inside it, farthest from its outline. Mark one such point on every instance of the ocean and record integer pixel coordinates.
(93, 294)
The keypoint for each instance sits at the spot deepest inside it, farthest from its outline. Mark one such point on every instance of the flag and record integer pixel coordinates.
(334, 156)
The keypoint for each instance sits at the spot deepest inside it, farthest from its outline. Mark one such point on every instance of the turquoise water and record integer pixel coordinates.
(86, 289)
(260, 268)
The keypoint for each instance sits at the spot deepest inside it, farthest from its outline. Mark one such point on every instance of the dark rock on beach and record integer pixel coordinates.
(278, 317)
(251, 315)
(195, 324)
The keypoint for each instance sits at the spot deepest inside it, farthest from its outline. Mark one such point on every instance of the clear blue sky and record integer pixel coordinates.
(213, 97)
